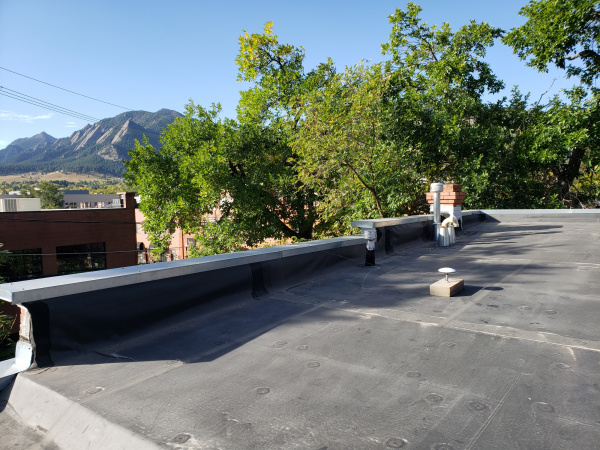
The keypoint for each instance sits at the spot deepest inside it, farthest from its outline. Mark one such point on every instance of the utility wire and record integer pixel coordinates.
(67, 90)
(19, 219)
(24, 97)
(46, 105)
(24, 255)
(56, 108)
(52, 105)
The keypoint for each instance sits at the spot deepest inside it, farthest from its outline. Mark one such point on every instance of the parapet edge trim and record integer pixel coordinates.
(390, 221)
(45, 288)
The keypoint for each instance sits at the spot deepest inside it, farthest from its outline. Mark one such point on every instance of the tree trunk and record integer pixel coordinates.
(569, 172)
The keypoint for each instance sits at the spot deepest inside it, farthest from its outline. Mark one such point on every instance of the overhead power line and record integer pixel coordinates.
(46, 105)
(25, 255)
(56, 108)
(66, 90)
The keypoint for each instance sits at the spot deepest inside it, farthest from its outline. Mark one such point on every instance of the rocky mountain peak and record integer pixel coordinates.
(98, 147)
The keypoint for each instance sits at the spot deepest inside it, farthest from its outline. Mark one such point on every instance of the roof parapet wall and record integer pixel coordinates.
(73, 310)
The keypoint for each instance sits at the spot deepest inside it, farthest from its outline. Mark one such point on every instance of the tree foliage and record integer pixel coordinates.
(375, 136)
(439, 78)
(7, 346)
(310, 150)
(245, 169)
(566, 135)
(280, 82)
(350, 154)
(49, 194)
(207, 164)
(560, 32)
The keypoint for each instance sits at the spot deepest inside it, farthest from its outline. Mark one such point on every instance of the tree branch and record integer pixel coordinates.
(548, 90)
(370, 188)
(583, 54)
(571, 58)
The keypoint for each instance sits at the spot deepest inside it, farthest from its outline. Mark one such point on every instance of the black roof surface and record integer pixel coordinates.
(365, 358)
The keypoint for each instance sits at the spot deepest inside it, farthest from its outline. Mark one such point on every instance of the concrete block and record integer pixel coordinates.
(445, 288)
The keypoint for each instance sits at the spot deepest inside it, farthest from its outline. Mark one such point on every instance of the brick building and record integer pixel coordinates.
(181, 243)
(61, 241)
(179, 248)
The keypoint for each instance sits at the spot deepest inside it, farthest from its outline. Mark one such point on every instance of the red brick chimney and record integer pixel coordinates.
(451, 195)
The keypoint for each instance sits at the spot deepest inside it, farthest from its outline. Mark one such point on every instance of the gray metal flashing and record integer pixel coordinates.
(10, 367)
(538, 212)
(45, 288)
(390, 222)
(393, 221)
(470, 212)
(542, 215)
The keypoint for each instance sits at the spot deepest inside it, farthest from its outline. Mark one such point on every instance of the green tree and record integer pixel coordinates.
(374, 137)
(566, 34)
(245, 169)
(51, 197)
(348, 154)
(7, 346)
(280, 81)
(439, 77)
(560, 32)
(507, 154)
(176, 181)
(562, 139)
(273, 109)
(207, 164)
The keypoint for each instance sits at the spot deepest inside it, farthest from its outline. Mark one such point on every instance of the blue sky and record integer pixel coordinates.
(148, 55)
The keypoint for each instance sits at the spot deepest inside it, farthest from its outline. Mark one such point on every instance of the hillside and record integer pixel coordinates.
(98, 147)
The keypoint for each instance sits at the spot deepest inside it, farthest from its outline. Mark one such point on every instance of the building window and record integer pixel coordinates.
(138, 228)
(18, 265)
(81, 258)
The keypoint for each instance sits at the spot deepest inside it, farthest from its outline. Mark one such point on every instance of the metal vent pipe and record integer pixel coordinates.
(436, 188)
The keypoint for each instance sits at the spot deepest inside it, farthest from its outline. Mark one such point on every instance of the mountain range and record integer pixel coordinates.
(96, 148)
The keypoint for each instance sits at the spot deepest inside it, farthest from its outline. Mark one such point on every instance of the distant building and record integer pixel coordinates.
(16, 203)
(61, 241)
(181, 243)
(83, 199)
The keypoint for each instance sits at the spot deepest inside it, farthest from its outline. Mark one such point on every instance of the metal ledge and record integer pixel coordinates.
(390, 222)
(40, 289)
(45, 288)
(537, 212)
